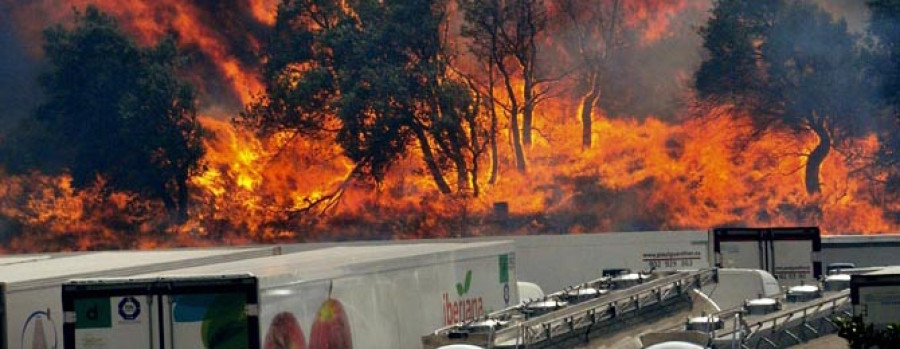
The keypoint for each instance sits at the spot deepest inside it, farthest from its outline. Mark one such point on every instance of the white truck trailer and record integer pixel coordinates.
(876, 296)
(366, 296)
(30, 303)
(556, 261)
(791, 254)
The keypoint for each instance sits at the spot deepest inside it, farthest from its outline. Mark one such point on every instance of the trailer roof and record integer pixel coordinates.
(529, 241)
(54, 271)
(340, 261)
(888, 270)
(860, 239)
(7, 260)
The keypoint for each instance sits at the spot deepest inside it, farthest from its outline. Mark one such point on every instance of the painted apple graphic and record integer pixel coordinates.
(331, 329)
(285, 333)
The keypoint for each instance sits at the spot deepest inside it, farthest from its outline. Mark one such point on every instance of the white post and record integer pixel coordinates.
(736, 338)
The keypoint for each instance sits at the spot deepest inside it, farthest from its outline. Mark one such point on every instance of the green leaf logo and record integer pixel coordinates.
(462, 289)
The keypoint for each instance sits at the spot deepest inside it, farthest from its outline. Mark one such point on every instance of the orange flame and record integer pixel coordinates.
(655, 17)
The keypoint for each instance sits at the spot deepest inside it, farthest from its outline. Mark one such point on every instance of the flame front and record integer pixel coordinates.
(642, 175)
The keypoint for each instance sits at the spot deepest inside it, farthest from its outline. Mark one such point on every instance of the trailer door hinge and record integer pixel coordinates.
(251, 309)
(69, 317)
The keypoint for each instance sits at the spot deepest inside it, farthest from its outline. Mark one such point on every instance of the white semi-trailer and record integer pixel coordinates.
(792, 255)
(342, 297)
(556, 261)
(30, 303)
(876, 296)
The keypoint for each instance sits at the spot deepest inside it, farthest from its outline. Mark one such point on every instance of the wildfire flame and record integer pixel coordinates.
(655, 17)
(643, 173)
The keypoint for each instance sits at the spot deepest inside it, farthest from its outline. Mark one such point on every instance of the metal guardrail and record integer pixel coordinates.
(609, 313)
(761, 330)
(580, 318)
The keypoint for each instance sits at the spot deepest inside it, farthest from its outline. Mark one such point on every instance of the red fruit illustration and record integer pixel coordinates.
(331, 329)
(285, 333)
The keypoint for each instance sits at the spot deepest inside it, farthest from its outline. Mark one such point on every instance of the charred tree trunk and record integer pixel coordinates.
(477, 149)
(170, 206)
(475, 146)
(459, 160)
(587, 110)
(175, 203)
(592, 32)
(815, 160)
(451, 139)
(528, 95)
(513, 116)
(527, 111)
(182, 200)
(517, 143)
(495, 163)
(430, 162)
(495, 158)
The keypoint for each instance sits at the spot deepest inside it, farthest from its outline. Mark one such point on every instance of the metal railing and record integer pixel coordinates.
(581, 318)
(762, 329)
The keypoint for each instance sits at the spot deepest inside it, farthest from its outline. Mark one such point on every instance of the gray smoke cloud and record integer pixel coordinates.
(655, 79)
(19, 91)
(230, 22)
(854, 12)
(649, 79)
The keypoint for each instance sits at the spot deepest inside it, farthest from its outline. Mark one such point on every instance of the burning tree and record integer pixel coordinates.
(790, 65)
(595, 26)
(505, 33)
(114, 113)
(373, 75)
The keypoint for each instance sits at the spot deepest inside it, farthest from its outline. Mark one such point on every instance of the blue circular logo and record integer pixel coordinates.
(129, 308)
(506, 293)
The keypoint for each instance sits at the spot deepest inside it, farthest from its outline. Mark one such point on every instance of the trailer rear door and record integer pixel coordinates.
(740, 248)
(796, 257)
(876, 297)
(110, 316)
(791, 254)
(207, 312)
(211, 313)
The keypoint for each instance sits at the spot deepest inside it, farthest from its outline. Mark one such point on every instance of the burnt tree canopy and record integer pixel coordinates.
(113, 111)
(593, 32)
(374, 75)
(789, 64)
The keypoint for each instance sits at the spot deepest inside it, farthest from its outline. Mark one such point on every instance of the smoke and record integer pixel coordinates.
(653, 78)
(855, 12)
(18, 76)
(220, 39)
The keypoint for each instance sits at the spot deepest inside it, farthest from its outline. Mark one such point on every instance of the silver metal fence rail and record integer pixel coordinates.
(787, 321)
(580, 318)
